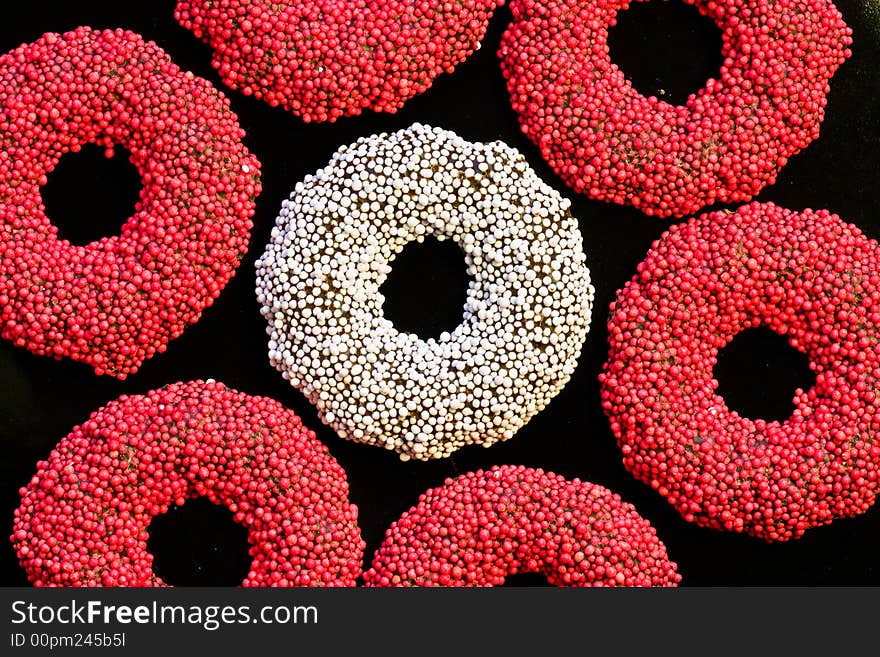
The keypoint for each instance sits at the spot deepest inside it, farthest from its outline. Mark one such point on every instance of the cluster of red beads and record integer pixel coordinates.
(322, 59)
(479, 528)
(809, 276)
(117, 301)
(84, 516)
(724, 144)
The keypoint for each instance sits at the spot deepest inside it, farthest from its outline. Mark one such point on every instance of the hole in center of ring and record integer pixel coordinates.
(667, 49)
(525, 579)
(90, 195)
(199, 544)
(426, 291)
(758, 373)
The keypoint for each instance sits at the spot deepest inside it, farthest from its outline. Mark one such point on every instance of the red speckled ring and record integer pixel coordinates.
(84, 516)
(322, 59)
(119, 300)
(479, 528)
(809, 276)
(724, 144)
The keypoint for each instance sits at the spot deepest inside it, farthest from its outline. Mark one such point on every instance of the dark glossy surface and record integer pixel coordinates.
(42, 399)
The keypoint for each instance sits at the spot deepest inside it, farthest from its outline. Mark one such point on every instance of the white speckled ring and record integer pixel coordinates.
(528, 304)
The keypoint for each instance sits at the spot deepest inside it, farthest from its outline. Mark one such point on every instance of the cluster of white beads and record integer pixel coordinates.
(528, 303)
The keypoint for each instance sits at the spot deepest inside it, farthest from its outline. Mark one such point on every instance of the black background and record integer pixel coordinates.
(662, 46)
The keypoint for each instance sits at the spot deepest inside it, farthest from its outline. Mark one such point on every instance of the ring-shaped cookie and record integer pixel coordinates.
(322, 59)
(527, 311)
(119, 300)
(481, 527)
(806, 275)
(727, 142)
(84, 516)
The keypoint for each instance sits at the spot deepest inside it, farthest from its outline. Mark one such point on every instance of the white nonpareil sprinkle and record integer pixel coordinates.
(528, 304)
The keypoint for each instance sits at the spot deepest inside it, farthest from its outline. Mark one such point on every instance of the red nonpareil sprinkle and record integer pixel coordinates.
(84, 516)
(322, 59)
(117, 301)
(807, 275)
(726, 143)
(478, 528)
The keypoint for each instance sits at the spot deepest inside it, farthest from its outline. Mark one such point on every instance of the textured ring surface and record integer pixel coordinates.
(806, 275)
(528, 304)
